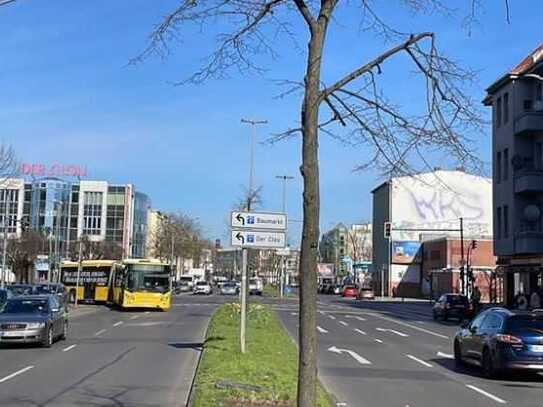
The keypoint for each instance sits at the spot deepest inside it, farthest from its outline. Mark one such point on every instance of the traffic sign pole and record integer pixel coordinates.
(243, 324)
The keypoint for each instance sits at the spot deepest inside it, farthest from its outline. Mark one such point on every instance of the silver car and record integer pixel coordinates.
(229, 288)
(33, 319)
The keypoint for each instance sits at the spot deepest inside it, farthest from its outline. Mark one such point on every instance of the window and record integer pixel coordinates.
(9, 202)
(505, 164)
(492, 323)
(505, 221)
(538, 161)
(477, 322)
(499, 223)
(498, 167)
(538, 92)
(499, 112)
(92, 213)
(505, 108)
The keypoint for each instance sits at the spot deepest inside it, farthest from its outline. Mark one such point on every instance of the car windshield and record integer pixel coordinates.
(20, 289)
(25, 307)
(148, 278)
(229, 285)
(44, 289)
(457, 299)
(201, 283)
(526, 325)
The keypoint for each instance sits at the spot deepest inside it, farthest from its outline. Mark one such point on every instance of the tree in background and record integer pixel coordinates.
(357, 108)
(22, 253)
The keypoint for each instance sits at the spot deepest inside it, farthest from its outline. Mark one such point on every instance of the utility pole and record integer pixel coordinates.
(284, 178)
(462, 268)
(79, 265)
(5, 239)
(243, 324)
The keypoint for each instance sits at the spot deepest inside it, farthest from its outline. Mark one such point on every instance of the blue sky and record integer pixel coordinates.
(67, 96)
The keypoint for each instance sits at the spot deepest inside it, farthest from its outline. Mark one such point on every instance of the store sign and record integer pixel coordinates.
(53, 170)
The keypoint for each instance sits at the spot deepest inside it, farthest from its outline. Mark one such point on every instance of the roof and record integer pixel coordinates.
(527, 64)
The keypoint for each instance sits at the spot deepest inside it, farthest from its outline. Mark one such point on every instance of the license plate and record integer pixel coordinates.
(10, 333)
(536, 348)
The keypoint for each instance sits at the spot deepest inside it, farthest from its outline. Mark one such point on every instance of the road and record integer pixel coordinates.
(112, 358)
(379, 354)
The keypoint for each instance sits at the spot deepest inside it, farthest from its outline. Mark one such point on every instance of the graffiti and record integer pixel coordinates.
(447, 205)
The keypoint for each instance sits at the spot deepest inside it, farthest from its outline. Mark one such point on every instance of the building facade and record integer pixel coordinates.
(516, 100)
(65, 212)
(423, 207)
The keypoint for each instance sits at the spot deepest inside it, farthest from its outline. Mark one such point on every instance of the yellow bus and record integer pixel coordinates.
(94, 280)
(142, 283)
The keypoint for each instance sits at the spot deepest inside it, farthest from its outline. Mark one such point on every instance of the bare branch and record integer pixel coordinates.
(306, 13)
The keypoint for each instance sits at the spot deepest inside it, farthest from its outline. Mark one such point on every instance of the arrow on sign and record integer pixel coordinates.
(240, 219)
(239, 236)
(353, 354)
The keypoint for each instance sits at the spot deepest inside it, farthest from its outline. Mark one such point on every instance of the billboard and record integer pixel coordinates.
(437, 200)
(325, 270)
(405, 252)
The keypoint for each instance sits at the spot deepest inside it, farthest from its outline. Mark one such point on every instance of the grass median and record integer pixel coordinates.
(266, 375)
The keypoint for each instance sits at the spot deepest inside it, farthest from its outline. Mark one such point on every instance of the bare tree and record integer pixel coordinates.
(22, 253)
(6, 2)
(8, 162)
(95, 250)
(360, 112)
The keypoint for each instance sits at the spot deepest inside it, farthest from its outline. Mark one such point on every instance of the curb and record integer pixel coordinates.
(190, 398)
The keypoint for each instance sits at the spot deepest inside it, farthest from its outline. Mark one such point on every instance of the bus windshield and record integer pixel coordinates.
(151, 278)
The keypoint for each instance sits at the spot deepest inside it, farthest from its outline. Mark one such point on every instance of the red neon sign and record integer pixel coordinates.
(54, 170)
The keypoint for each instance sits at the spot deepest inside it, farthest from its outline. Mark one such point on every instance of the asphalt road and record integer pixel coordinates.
(393, 354)
(112, 358)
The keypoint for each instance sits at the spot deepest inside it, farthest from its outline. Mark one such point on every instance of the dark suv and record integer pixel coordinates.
(499, 339)
(452, 305)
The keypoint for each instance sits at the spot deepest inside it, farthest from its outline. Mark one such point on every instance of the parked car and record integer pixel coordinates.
(366, 293)
(229, 288)
(338, 289)
(21, 289)
(452, 305)
(255, 286)
(183, 287)
(4, 296)
(33, 319)
(499, 340)
(202, 287)
(350, 291)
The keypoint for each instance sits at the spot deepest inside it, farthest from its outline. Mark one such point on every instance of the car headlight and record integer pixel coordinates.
(35, 325)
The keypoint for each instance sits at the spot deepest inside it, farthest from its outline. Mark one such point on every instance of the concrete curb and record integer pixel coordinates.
(191, 397)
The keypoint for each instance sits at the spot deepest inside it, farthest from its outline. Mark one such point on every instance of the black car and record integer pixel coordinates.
(452, 305)
(21, 289)
(498, 340)
(4, 296)
(33, 319)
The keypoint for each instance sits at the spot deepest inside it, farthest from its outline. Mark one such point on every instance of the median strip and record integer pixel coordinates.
(263, 376)
(17, 373)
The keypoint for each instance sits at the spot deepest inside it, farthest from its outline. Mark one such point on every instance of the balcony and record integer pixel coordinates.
(529, 238)
(529, 121)
(528, 181)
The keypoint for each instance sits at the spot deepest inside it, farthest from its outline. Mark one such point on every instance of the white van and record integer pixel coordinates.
(255, 286)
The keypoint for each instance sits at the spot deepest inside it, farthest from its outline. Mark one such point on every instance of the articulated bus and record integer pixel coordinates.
(94, 280)
(142, 283)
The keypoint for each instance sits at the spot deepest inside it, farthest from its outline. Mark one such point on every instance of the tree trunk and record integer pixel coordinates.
(307, 375)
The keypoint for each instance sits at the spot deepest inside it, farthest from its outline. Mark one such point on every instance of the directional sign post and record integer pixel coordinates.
(259, 231)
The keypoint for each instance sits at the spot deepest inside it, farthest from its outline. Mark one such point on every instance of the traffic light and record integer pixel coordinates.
(388, 230)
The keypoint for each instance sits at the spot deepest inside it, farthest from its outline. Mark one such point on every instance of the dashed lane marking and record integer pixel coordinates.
(343, 323)
(486, 394)
(68, 348)
(17, 373)
(417, 328)
(392, 331)
(422, 362)
(331, 317)
(444, 355)
(100, 332)
(378, 341)
(360, 332)
(135, 317)
(321, 330)
(118, 323)
(293, 313)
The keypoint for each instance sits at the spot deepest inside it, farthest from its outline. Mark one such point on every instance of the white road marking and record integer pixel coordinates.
(445, 355)
(331, 317)
(392, 331)
(17, 373)
(134, 317)
(487, 394)
(343, 323)
(359, 331)
(341, 404)
(422, 362)
(118, 323)
(354, 355)
(378, 341)
(321, 312)
(293, 313)
(361, 319)
(321, 330)
(147, 312)
(417, 328)
(68, 348)
(100, 332)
